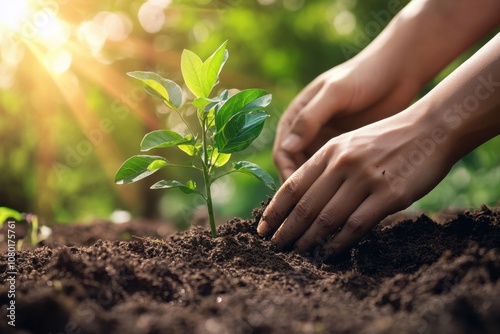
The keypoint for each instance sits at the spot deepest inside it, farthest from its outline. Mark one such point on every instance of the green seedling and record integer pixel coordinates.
(227, 124)
(35, 233)
(6, 213)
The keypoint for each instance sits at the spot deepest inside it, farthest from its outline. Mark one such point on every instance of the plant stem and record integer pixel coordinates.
(206, 176)
(34, 230)
(184, 121)
(209, 203)
(221, 175)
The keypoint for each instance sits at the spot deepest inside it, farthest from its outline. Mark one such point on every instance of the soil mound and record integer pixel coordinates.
(414, 276)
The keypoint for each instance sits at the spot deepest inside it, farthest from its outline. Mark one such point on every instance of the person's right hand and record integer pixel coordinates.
(351, 95)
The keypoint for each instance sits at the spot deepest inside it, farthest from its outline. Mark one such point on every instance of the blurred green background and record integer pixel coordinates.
(69, 116)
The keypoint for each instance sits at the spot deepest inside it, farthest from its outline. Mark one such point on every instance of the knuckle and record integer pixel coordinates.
(374, 178)
(345, 159)
(303, 119)
(291, 188)
(337, 88)
(354, 226)
(333, 85)
(325, 221)
(399, 197)
(303, 210)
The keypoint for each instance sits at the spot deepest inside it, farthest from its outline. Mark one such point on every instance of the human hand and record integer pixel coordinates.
(358, 92)
(381, 80)
(354, 181)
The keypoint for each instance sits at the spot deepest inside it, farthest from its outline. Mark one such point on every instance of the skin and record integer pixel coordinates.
(350, 149)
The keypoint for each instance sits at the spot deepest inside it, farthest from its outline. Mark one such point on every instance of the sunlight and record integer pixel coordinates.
(36, 23)
(12, 13)
(33, 19)
(54, 33)
(58, 61)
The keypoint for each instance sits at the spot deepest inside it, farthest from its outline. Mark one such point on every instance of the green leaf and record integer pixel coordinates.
(212, 67)
(250, 168)
(201, 77)
(205, 104)
(207, 108)
(218, 159)
(139, 167)
(163, 138)
(165, 89)
(188, 188)
(242, 102)
(201, 102)
(240, 131)
(6, 213)
(157, 164)
(191, 72)
(190, 149)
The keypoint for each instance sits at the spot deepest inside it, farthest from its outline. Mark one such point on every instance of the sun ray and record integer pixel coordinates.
(107, 150)
(115, 84)
(64, 48)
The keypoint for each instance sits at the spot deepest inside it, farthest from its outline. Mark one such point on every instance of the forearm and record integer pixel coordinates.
(465, 107)
(428, 34)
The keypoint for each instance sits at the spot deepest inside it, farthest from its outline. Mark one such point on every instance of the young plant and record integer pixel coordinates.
(35, 233)
(227, 124)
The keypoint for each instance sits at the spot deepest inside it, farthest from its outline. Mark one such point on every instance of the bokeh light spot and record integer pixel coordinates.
(151, 17)
(293, 5)
(92, 34)
(58, 61)
(344, 22)
(117, 26)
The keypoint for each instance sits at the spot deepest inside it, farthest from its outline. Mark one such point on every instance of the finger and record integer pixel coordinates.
(305, 96)
(342, 204)
(362, 221)
(288, 163)
(299, 102)
(294, 109)
(306, 211)
(310, 119)
(288, 195)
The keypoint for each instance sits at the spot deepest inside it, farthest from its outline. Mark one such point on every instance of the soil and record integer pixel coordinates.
(411, 276)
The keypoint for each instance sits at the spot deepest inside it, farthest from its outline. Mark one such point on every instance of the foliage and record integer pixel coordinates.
(228, 124)
(61, 143)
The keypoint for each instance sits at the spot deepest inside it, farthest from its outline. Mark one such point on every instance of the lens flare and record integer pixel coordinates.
(12, 13)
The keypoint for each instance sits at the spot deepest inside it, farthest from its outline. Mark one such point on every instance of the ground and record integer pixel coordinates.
(411, 276)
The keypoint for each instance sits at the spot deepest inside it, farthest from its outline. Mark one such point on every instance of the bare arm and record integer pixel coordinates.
(428, 34)
(384, 78)
(358, 178)
(467, 103)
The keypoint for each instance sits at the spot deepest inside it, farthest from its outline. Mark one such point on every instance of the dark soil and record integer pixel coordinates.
(415, 276)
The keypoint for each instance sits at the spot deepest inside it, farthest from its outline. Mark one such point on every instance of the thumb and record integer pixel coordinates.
(309, 120)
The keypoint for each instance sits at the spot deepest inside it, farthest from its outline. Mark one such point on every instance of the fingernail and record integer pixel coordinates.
(291, 142)
(262, 228)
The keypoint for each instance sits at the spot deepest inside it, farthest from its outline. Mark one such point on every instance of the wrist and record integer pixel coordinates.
(461, 113)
